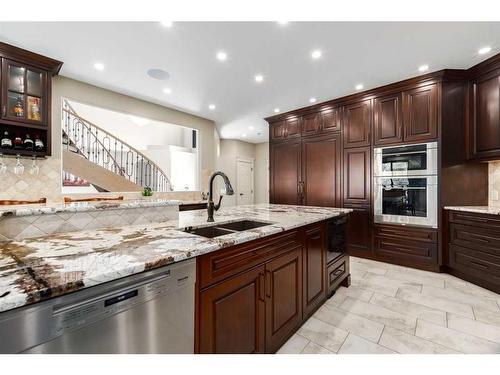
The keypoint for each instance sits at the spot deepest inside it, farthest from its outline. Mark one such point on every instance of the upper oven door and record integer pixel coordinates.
(408, 160)
(406, 200)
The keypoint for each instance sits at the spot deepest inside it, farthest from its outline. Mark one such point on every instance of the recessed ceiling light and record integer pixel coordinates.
(244, 135)
(312, 100)
(423, 68)
(282, 22)
(211, 107)
(484, 50)
(259, 78)
(99, 66)
(167, 24)
(222, 56)
(316, 54)
(251, 127)
(276, 110)
(359, 87)
(159, 74)
(167, 90)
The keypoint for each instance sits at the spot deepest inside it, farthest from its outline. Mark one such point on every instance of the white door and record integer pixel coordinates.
(244, 188)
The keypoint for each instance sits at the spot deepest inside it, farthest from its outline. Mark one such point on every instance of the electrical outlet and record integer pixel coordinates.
(494, 195)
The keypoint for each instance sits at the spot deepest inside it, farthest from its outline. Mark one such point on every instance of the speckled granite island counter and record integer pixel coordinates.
(39, 268)
(487, 210)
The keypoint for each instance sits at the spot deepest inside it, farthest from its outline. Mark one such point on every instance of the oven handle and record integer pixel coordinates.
(409, 188)
(406, 153)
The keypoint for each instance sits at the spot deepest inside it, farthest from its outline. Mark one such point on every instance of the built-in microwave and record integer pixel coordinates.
(408, 200)
(407, 160)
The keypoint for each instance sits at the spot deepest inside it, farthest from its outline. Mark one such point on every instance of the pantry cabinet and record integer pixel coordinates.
(25, 98)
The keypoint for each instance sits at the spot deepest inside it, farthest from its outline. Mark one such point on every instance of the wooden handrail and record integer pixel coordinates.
(11, 202)
(92, 199)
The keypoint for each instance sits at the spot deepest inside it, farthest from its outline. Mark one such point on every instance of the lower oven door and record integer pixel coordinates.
(406, 200)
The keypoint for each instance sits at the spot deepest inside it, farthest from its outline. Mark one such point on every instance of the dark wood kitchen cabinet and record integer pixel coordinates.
(357, 124)
(484, 116)
(283, 292)
(408, 246)
(321, 122)
(250, 298)
(314, 259)
(321, 171)
(474, 248)
(357, 175)
(285, 172)
(242, 296)
(387, 119)
(359, 231)
(25, 97)
(420, 113)
(288, 128)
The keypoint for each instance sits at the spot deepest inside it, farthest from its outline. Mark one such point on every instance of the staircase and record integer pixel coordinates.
(107, 162)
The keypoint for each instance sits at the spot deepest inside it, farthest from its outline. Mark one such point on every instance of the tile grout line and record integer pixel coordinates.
(381, 333)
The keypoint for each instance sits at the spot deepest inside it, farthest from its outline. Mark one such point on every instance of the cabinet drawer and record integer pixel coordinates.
(216, 266)
(470, 218)
(405, 249)
(475, 263)
(336, 272)
(475, 238)
(407, 234)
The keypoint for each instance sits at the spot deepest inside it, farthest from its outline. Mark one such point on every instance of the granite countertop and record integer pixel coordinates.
(490, 210)
(40, 268)
(44, 209)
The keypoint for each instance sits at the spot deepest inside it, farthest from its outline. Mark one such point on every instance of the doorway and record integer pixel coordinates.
(244, 181)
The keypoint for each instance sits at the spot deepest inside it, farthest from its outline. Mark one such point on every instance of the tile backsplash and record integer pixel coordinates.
(494, 183)
(30, 226)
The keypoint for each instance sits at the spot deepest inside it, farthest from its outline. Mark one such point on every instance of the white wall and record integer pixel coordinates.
(261, 175)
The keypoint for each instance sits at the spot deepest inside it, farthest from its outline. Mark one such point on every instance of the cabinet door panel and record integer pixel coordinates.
(232, 315)
(314, 266)
(311, 124)
(278, 130)
(321, 171)
(330, 120)
(485, 116)
(387, 120)
(357, 175)
(357, 123)
(283, 298)
(359, 231)
(292, 127)
(285, 173)
(420, 113)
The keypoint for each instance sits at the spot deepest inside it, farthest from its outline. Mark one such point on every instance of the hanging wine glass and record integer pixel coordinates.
(19, 167)
(34, 169)
(3, 166)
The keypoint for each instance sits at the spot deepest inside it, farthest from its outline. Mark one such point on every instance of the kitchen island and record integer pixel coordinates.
(38, 269)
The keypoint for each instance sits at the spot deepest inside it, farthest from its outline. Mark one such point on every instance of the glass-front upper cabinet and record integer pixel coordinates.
(24, 93)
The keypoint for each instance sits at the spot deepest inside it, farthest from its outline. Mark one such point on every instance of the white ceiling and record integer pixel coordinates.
(369, 53)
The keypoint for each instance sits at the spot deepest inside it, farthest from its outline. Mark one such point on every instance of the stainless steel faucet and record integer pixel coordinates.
(211, 207)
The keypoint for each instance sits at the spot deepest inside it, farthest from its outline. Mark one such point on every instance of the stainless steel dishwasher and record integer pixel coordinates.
(151, 312)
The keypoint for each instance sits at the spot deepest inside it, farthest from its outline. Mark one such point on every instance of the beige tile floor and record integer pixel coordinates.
(394, 309)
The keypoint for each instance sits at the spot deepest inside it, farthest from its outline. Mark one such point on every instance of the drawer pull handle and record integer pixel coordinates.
(480, 265)
(471, 218)
(478, 238)
(338, 272)
(262, 285)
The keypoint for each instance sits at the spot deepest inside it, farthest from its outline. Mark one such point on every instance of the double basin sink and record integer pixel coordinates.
(217, 230)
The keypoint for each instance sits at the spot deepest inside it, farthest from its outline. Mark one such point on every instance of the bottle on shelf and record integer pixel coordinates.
(6, 141)
(18, 108)
(18, 142)
(28, 143)
(39, 146)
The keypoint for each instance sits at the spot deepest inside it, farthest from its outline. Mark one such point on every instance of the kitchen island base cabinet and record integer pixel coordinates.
(232, 315)
(258, 308)
(283, 298)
